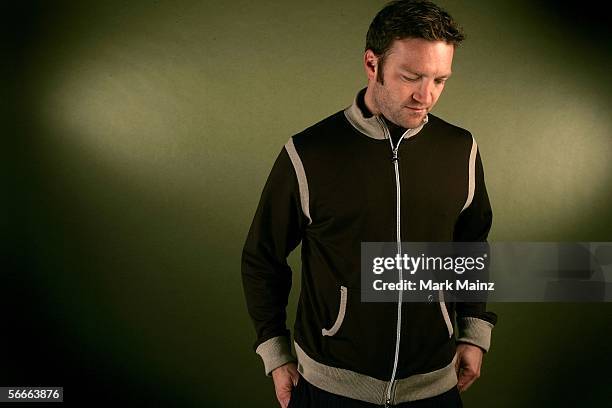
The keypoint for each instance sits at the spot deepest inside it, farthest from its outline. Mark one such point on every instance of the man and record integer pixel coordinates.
(384, 169)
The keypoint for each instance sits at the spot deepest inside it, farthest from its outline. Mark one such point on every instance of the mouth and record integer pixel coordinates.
(416, 110)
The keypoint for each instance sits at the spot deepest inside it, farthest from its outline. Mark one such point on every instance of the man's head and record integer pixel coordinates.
(409, 53)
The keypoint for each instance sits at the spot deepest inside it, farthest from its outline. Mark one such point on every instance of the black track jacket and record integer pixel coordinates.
(333, 186)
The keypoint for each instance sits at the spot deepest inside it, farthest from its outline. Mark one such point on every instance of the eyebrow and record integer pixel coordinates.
(420, 74)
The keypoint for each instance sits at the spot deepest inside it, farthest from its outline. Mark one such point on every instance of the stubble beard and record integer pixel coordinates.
(395, 112)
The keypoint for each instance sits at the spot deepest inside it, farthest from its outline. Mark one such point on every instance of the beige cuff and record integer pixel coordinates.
(475, 331)
(275, 352)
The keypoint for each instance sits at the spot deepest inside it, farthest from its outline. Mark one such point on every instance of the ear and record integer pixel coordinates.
(370, 64)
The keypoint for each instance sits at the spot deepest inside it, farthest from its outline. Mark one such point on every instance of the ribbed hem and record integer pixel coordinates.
(475, 331)
(365, 388)
(275, 352)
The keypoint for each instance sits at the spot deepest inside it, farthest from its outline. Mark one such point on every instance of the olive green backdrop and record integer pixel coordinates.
(143, 134)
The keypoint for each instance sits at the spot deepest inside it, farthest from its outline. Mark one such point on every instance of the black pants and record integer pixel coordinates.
(306, 395)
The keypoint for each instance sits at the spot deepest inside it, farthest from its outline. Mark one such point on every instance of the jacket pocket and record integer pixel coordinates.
(341, 313)
(445, 315)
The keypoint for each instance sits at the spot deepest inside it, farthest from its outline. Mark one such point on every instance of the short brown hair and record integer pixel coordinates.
(410, 19)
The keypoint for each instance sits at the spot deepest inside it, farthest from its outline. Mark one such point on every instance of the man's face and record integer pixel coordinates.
(414, 73)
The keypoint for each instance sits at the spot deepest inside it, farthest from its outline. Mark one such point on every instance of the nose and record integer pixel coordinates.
(424, 93)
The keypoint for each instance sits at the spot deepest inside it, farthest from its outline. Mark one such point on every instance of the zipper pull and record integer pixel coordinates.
(388, 403)
(394, 158)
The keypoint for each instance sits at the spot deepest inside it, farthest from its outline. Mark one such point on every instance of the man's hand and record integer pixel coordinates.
(285, 378)
(469, 360)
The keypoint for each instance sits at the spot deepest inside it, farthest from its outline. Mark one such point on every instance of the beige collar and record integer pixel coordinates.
(373, 126)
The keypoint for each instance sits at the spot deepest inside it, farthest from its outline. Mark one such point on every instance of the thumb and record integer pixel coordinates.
(457, 362)
(295, 378)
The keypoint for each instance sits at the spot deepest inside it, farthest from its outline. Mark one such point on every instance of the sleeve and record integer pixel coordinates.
(276, 230)
(474, 322)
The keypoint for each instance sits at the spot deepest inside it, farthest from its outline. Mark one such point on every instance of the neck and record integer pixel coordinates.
(368, 99)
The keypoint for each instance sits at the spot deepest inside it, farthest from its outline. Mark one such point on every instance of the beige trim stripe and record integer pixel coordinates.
(301, 177)
(365, 388)
(341, 312)
(472, 175)
(447, 320)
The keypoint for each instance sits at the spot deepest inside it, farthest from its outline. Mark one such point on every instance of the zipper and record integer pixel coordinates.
(395, 160)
